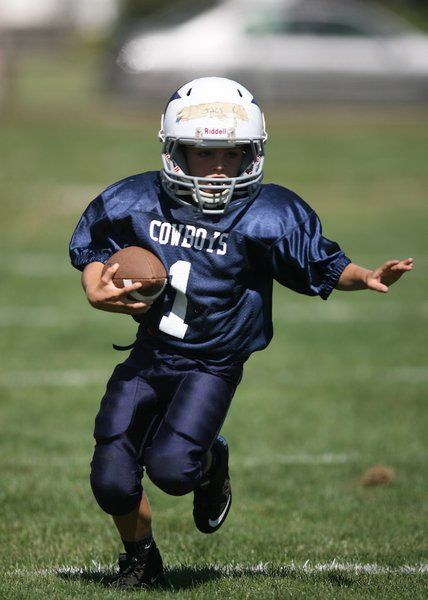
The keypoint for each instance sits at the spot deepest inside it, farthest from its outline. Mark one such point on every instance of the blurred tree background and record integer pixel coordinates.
(141, 9)
(22, 46)
(415, 11)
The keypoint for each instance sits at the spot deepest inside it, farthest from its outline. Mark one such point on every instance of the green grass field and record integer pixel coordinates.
(342, 387)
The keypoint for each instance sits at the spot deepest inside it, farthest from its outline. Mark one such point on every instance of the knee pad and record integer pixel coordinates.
(173, 464)
(117, 491)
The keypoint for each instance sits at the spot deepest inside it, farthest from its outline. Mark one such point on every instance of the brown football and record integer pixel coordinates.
(139, 265)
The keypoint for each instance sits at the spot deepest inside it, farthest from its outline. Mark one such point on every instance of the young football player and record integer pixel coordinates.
(223, 238)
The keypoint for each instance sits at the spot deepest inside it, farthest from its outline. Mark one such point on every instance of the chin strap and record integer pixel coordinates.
(124, 348)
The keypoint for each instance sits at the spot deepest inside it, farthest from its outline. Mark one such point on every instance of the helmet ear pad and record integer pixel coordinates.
(179, 157)
(248, 157)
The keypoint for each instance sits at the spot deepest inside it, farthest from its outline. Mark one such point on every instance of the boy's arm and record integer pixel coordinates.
(354, 277)
(104, 295)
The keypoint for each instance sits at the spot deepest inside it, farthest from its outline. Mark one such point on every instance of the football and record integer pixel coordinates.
(139, 265)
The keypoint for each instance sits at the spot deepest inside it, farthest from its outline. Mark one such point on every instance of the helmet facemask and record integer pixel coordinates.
(211, 195)
(216, 125)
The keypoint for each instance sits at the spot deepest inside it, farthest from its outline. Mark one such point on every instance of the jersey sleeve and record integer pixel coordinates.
(95, 238)
(306, 261)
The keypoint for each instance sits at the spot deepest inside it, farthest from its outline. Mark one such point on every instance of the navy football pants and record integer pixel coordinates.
(163, 416)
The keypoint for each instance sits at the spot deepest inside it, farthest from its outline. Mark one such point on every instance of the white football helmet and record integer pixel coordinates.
(212, 112)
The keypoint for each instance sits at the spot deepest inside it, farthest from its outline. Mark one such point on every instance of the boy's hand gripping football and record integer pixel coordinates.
(104, 295)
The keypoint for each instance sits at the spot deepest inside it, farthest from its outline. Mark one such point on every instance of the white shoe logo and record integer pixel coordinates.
(212, 523)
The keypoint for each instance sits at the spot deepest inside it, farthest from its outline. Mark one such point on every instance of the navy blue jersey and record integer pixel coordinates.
(218, 304)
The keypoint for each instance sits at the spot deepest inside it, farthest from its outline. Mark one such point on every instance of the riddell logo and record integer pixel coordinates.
(215, 131)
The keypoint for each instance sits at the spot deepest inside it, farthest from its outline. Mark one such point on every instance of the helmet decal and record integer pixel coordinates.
(214, 110)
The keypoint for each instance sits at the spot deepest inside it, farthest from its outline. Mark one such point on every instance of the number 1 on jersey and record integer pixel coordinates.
(174, 324)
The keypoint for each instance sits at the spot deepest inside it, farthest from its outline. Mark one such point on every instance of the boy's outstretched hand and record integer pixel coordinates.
(354, 277)
(381, 278)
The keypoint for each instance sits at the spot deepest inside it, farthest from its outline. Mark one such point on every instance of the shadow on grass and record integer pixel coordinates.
(185, 577)
(182, 577)
(176, 578)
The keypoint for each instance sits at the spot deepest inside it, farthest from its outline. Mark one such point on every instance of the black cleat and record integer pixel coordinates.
(212, 499)
(139, 571)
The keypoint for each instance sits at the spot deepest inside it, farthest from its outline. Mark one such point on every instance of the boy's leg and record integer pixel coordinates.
(178, 456)
(137, 524)
(128, 411)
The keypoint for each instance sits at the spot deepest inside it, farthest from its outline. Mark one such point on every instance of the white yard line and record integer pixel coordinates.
(335, 312)
(392, 375)
(232, 570)
(38, 264)
(80, 378)
(46, 463)
(327, 458)
(340, 311)
(310, 568)
(411, 374)
(50, 316)
(52, 378)
(44, 316)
